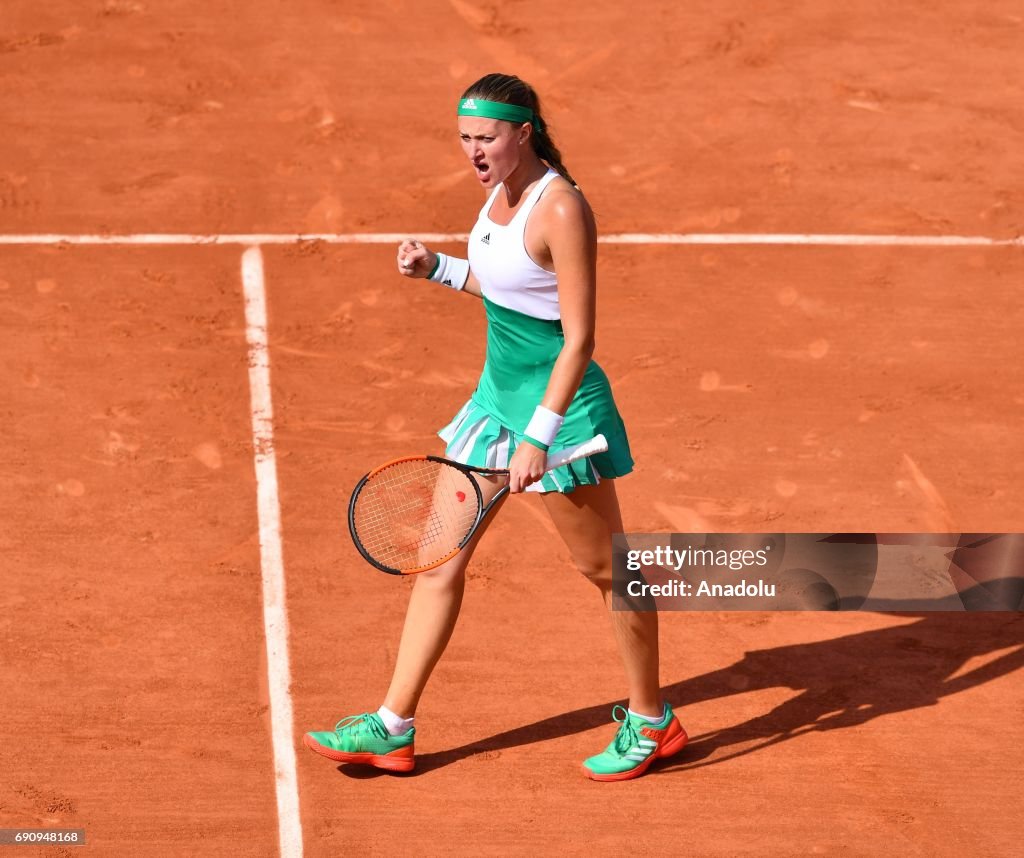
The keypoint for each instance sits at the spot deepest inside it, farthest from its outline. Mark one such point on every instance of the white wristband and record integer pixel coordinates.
(450, 271)
(544, 425)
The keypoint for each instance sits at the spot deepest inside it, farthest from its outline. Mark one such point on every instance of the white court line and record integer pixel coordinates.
(814, 240)
(268, 506)
(253, 239)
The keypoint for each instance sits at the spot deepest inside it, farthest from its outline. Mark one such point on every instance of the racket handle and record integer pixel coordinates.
(597, 444)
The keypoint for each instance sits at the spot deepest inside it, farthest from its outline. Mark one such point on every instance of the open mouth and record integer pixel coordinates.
(482, 170)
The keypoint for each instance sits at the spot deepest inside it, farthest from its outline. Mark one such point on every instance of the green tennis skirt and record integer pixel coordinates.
(521, 352)
(475, 437)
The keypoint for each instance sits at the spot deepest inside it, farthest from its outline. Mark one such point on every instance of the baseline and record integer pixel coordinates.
(786, 239)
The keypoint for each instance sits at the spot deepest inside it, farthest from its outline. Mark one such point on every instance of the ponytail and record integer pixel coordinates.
(546, 149)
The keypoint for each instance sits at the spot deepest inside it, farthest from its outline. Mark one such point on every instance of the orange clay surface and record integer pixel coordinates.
(765, 389)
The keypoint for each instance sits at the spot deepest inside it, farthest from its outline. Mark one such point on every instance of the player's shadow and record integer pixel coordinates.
(840, 683)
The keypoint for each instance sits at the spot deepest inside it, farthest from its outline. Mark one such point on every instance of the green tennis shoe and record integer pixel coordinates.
(636, 745)
(365, 739)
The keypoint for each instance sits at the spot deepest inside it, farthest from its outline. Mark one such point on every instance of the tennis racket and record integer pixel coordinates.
(413, 514)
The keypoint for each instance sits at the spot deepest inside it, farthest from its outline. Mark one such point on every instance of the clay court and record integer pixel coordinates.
(797, 384)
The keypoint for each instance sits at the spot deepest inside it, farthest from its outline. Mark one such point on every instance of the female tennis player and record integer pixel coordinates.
(532, 260)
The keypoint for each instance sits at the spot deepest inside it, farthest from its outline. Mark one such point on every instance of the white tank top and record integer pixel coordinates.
(498, 258)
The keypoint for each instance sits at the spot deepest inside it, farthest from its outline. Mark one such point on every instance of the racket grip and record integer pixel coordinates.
(597, 444)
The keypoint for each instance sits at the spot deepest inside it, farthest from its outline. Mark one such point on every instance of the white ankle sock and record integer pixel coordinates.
(396, 724)
(651, 719)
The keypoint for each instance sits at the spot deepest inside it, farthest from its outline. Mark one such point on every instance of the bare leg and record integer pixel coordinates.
(430, 619)
(586, 519)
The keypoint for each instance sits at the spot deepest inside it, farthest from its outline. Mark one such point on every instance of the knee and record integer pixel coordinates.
(597, 571)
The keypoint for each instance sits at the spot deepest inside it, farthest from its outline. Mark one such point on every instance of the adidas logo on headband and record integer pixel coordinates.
(469, 104)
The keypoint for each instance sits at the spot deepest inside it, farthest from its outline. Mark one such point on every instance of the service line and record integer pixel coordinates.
(795, 239)
(268, 507)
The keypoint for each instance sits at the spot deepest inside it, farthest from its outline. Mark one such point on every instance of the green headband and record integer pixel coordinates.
(498, 110)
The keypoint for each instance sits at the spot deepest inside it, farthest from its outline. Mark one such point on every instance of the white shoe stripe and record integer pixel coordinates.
(637, 757)
(648, 742)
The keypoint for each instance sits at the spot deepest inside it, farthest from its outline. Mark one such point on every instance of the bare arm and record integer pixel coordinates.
(415, 259)
(473, 286)
(572, 240)
(571, 237)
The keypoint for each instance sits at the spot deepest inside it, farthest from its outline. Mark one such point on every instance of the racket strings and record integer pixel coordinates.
(414, 513)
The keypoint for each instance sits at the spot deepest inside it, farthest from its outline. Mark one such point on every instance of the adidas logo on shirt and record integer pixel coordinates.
(486, 239)
(447, 283)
